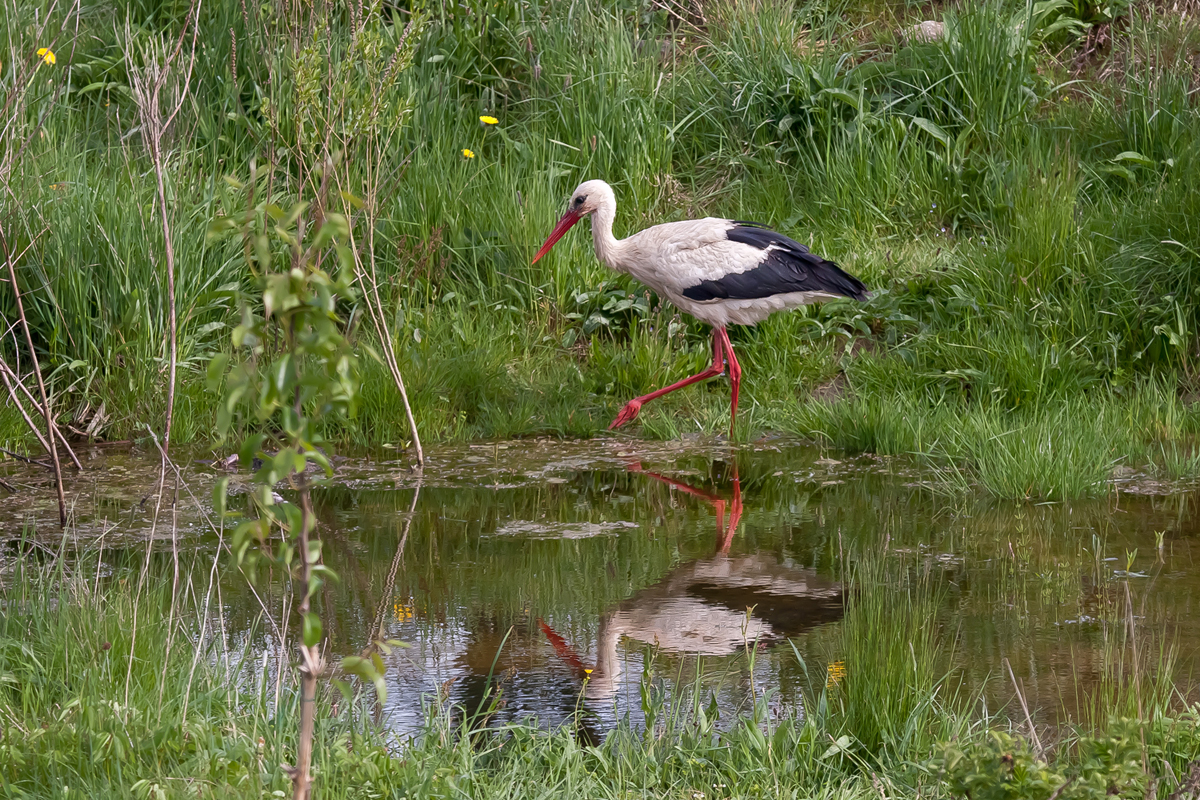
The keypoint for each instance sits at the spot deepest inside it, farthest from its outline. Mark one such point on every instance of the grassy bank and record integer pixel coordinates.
(1020, 195)
(126, 683)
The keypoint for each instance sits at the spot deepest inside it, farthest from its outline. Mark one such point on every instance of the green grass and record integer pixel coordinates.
(1025, 214)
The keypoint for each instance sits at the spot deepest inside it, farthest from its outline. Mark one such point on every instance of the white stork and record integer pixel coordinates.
(720, 271)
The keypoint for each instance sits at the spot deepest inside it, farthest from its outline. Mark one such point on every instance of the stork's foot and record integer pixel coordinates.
(628, 414)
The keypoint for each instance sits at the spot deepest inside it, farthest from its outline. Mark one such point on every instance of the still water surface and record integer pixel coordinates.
(570, 577)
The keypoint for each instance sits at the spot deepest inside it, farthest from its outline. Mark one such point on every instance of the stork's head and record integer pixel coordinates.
(588, 198)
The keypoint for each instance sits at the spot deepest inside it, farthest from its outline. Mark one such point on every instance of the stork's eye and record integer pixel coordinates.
(579, 200)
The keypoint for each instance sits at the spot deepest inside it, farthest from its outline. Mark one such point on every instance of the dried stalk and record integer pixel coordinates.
(16, 401)
(311, 664)
(27, 459)
(385, 336)
(148, 84)
(375, 304)
(1037, 742)
(37, 370)
(7, 373)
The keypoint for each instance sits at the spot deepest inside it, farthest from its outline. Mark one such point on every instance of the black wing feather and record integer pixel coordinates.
(788, 267)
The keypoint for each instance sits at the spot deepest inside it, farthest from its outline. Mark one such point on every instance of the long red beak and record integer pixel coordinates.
(564, 225)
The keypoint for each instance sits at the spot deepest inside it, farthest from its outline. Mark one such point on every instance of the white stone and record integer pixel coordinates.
(930, 30)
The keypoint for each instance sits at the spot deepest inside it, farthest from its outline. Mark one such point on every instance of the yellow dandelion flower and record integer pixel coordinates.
(468, 153)
(486, 120)
(47, 55)
(587, 671)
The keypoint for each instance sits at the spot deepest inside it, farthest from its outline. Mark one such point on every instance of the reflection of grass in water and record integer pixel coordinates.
(887, 681)
(80, 718)
(68, 722)
(1015, 579)
(1134, 672)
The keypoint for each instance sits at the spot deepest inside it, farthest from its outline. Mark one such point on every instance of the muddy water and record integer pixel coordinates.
(571, 578)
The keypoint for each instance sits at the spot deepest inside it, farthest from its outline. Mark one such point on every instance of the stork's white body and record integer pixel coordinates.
(672, 257)
(722, 272)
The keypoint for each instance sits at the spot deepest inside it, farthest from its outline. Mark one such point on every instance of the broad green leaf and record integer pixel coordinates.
(220, 494)
(1135, 157)
(842, 745)
(293, 215)
(933, 129)
(312, 629)
(849, 98)
(366, 669)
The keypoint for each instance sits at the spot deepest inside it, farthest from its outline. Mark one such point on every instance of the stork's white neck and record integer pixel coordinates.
(608, 247)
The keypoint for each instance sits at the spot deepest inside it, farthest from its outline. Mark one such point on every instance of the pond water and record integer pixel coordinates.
(564, 578)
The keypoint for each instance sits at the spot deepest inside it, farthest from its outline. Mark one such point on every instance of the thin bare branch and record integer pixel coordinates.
(47, 413)
(7, 373)
(148, 84)
(16, 401)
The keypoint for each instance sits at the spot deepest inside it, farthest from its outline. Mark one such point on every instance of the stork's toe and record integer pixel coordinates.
(628, 414)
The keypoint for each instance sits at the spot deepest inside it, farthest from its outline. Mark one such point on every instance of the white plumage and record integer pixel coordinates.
(722, 272)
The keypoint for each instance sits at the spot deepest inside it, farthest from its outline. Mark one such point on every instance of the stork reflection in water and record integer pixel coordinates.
(712, 606)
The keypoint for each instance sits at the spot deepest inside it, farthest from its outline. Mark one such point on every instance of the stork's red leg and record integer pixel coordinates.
(631, 409)
(735, 378)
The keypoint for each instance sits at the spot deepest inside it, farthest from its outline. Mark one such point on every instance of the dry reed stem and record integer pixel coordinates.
(162, 477)
(7, 373)
(26, 459)
(385, 335)
(311, 664)
(16, 401)
(372, 158)
(147, 87)
(37, 370)
(375, 303)
(212, 582)
(1037, 742)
